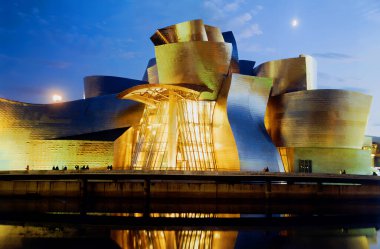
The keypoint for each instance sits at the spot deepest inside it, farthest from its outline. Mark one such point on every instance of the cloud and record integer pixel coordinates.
(370, 9)
(233, 6)
(220, 9)
(333, 56)
(257, 9)
(214, 10)
(240, 20)
(250, 31)
(328, 77)
(373, 15)
(239, 14)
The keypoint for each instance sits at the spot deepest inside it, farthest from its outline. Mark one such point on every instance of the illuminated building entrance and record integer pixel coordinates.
(175, 131)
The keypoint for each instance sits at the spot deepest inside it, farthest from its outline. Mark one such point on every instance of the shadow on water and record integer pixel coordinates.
(136, 223)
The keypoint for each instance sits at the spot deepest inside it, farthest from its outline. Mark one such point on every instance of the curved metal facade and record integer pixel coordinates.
(55, 121)
(230, 38)
(177, 130)
(289, 75)
(194, 30)
(331, 160)
(202, 64)
(63, 134)
(318, 118)
(246, 105)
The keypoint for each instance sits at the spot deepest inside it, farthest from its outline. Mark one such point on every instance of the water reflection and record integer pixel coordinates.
(186, 239)
(363, 238)
(58, 223)
(174, 239)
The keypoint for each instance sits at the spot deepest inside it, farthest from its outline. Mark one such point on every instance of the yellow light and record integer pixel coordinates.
(57, 98)
(216, 235)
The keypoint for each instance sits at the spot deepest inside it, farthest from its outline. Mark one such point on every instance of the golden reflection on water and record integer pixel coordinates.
(174, 239)
(311, 238)
(177, 239)
(13, 237)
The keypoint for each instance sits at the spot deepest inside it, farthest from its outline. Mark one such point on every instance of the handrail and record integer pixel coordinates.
(218, 177)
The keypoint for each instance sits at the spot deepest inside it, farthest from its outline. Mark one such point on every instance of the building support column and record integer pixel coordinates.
(172, 132)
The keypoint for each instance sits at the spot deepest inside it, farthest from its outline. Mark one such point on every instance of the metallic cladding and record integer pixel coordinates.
(152, 62)
(152, 74)
(31, 134)
(200, 63)
(226, 154)
(246, 67)
(214, 34)
(52, 121)
(230, 38)
(246, 104)
(289, 75)
(193, 30)
(318, 118)
(334, 160)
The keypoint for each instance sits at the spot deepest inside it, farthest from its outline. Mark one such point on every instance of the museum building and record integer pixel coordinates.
(198, 107)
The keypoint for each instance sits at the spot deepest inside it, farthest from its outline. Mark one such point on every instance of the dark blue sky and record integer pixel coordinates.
(49, 46)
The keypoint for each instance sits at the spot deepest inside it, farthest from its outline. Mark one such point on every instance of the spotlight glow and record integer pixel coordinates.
(294, 23)
(57, 98)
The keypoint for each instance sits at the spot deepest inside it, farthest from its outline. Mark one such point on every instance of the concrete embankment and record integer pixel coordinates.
(180, 184)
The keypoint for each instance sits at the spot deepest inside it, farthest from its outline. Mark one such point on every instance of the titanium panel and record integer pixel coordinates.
(289, 75)
(230, 38)
(246, 67)
(123, 150)
(43, 154)
(318, 118)
(193, 30)
(153, 74)
(151, 62)
(205, 64)
(214, 34)
(52, 121)
(31, 134)
(246, 106)
(334, 160)
(226, 154)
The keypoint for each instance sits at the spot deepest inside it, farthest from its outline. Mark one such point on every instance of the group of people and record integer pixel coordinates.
(84, 167)
(57, 168)
(76, 167)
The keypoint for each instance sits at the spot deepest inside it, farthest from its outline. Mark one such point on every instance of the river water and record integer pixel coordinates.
(125, 223)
